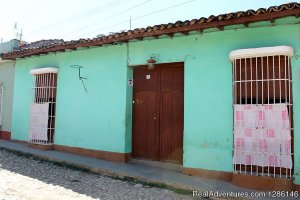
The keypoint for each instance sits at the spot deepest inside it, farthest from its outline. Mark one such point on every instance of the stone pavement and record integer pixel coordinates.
(148, 174)
(23, 178)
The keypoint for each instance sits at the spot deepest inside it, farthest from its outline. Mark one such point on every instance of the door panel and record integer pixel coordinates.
(171, 124)
(145, 135)
(177, 134)
(166, 126)
(144, 140)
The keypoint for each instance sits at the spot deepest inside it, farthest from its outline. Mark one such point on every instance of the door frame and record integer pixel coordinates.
(158, 107)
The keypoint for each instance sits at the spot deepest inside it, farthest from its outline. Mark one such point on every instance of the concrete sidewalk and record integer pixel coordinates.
(149, 174)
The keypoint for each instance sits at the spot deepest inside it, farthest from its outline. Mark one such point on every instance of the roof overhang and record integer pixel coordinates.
(184, 27)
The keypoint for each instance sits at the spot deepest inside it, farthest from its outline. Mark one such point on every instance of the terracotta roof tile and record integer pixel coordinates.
(240, 17)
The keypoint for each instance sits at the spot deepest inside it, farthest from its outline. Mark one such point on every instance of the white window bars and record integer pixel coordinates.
(263, 107)
(42, 113)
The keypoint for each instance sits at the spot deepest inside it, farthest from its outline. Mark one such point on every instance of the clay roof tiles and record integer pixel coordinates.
(262, 14)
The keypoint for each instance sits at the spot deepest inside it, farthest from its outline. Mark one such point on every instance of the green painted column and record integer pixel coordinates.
(295, 62)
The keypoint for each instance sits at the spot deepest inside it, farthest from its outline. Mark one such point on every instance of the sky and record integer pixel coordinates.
(75, 19)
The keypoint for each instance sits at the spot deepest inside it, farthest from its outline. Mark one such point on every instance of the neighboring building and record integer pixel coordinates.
(9, 46)
(40, 43)
(222, 100)
(7, 70)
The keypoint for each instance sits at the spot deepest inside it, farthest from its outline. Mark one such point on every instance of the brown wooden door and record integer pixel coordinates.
(158, 113)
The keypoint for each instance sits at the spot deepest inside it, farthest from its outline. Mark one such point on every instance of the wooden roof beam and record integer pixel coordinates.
(170, 34)
(139, 38)
(221, 28)
(272, 21)
(184, 32)
(246, 24)
(199, 31)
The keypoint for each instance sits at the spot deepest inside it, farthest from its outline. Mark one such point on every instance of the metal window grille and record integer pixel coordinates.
(42, 120)
(261, 84)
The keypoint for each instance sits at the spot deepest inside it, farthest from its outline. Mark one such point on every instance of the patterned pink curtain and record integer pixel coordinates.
(262, 135)
(38, 121)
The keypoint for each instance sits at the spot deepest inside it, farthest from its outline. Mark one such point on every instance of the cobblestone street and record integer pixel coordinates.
(23, 178)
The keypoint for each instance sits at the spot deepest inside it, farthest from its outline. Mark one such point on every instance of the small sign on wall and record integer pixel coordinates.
(130, 82)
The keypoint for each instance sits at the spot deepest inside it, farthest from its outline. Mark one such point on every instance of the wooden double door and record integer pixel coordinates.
(158, 113)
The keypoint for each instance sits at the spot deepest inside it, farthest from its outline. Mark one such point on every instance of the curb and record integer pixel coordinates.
(185, 190)
(179, 189)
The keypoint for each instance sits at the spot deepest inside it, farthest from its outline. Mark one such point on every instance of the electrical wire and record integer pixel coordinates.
(140, 17)
(111, 16)
(104, 8)
(86, 14)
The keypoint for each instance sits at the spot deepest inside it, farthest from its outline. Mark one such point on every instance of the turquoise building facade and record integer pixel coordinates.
(7, 74)
(101, 118)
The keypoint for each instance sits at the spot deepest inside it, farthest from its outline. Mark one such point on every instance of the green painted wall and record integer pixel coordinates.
(296, 98)
(101, 119)
(129, 90)
(7, 70)
(208, 137)
(95, 119)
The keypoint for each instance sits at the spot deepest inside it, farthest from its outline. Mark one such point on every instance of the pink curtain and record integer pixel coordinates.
(262, 135)
(38, 121)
